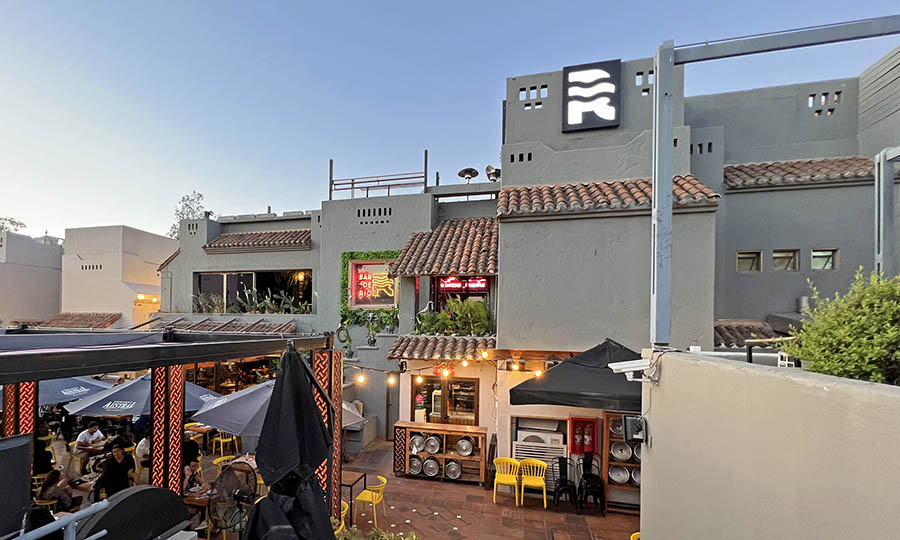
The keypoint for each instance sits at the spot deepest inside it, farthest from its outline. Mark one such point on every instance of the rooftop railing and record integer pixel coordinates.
(379, 185)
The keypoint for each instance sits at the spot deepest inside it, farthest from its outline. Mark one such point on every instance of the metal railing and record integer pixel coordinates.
(67, 525)
(381, 183)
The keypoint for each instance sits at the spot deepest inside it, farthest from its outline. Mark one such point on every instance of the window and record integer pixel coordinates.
(522, 95)
(446, 400)
(824, 259)
(639, 78)
(370, 285)
(749, 261)
(544, 91)
(532, 92)
(293, 283)
(527, 106)
(235, 285)
(539, 105)
(786, 260)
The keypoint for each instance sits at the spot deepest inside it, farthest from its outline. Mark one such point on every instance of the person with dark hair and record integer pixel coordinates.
(118, 473)
(121, 438)
(190, 451)
(87, 440)
(42, 461)
(56, 488)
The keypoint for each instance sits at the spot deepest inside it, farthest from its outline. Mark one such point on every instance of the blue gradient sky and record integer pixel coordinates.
(112, 110)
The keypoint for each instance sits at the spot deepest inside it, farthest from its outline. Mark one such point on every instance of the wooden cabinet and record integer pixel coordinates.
(472, 467)
(611, 436)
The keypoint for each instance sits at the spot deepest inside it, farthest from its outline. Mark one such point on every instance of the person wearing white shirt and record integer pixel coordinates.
(143, 452)
(87, 438)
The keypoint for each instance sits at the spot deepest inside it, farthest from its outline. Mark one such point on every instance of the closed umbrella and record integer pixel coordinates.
(53, 391)
(132, 398)
(241, 413)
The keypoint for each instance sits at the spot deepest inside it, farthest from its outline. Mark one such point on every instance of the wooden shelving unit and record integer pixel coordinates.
(608, 439)
(473, 466)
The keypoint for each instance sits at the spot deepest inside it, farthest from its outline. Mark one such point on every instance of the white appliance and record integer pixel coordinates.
(542, 437)
(436, 402)
(544, 452)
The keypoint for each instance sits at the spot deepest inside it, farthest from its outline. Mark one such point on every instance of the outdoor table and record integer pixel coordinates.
(348, 480)
(205, 430)
(200, 499)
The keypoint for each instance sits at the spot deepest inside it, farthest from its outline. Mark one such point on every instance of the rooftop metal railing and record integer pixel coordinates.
(365, 185)
(68, 525)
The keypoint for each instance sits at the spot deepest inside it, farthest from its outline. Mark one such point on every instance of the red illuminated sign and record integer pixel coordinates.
(370, 285)
(455, 284)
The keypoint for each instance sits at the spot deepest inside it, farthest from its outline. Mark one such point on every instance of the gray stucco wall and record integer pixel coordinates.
(776, 123)
(879, 105)
(747, 452)
(569, 284)
(804, 219)
(30, 278)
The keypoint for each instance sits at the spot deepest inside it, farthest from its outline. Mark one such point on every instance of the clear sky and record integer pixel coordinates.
(113, 110)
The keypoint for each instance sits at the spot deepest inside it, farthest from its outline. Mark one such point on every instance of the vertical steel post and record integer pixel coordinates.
(884, 214)
(425, 171)
(661, 263)
(330, 178)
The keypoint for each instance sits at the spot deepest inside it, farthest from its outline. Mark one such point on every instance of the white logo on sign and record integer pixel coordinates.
(74, 391)
(119, 405)
(600, 105)
(207, 397)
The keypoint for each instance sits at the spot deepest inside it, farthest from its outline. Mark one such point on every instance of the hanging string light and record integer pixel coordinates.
(465, 363)
(360, 378)
(419, 379)
(391, 380)
(538, 373)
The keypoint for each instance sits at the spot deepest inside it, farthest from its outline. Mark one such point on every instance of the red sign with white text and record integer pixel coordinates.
(455, 284)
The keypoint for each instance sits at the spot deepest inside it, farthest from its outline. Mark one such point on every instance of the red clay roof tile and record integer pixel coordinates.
(440, 347)
(461, 247)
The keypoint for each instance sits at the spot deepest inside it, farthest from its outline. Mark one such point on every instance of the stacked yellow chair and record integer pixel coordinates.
(37, 482)
(533, 472)
(373, 495)
(344, 509)
(506, 474)
(221, 462)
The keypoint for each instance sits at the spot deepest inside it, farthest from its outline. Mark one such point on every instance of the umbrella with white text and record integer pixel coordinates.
(132, 398)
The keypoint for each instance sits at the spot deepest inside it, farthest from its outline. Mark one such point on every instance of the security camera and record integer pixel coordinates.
(630, 366)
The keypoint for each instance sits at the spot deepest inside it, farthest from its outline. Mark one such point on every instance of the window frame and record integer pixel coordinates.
(737, 260)
(835, 259)
(796, 260)
(445, 393)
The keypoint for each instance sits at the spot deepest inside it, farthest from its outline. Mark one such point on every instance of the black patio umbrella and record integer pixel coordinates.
(293, 443)
(584, 381)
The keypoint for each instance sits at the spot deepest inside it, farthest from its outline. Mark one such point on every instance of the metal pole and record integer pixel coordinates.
(425, 173)
(661, 224)
(330, 177)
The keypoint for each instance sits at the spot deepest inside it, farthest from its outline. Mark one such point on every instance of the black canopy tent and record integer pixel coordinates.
(584, 381)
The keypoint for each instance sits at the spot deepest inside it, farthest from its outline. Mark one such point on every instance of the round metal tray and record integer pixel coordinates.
(415, 465)
(620, 451)
(431, 467)
(433, 444)
(618, 474)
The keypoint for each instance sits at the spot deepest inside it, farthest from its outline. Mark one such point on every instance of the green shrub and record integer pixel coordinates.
(856, 335)
(469, 317)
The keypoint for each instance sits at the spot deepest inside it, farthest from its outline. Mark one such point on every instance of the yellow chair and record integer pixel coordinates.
(49, 504)
(506, 474)
(372, 495)
(48, 440)
(221, 462)
(636, 536)
(533, 473)
(344, 509)
(197, 438)
(191, 424)
(37, 482)
(224, 438)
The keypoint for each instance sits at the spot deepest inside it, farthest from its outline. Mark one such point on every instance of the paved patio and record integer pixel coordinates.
(451, 511)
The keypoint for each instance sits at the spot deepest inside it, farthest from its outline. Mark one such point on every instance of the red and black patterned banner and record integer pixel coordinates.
(328, 367)
(176, 425)
(19, 408)
(167, 410)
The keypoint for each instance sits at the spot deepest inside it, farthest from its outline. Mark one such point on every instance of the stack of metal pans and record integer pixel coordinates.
(465, 447)
(620, 451)
(433, 444)
(415, 465)
(618, 474)
(453, 469)
(417, 443)
(431, 467)
(636, 476)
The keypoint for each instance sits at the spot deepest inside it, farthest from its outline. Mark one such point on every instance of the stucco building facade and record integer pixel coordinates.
(30, 270)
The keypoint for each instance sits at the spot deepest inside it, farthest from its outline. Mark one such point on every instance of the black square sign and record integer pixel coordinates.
(591, 96)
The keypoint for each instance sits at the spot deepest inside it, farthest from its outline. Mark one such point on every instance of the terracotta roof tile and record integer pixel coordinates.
(461, 247)
(733, 332)
(804, 171)
(597, 196)
(169, 259)
(239, 326)
(440, 347)
(82, 320)
(261, 241)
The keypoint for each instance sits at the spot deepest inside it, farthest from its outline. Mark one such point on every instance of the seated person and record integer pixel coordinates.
(87, 438)
(42, 460)
(56, 488)
(143, 451)
(121, 438)
(193, 476)
(118, 473)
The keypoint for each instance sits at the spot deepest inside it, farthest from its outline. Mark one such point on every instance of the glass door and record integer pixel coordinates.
(445, 400)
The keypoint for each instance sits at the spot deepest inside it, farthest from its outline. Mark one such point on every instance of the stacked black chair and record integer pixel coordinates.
(591, 484)
(564, 486)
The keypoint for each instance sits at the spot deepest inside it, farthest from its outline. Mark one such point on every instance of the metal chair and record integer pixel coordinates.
(563, 485)
(506, 474)
(591, 484)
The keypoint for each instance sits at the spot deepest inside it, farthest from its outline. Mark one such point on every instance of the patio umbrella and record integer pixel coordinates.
(241, 413)
(132, 398)
(53, 391)
(293, 443)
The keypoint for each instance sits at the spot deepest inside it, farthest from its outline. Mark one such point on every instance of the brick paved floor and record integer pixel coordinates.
(450, 511)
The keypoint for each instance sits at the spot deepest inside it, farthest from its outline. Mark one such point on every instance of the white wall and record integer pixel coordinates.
(746, 452)
(29, 278)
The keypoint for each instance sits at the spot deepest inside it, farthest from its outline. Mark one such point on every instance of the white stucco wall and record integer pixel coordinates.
(29, 278)
(745, 452)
